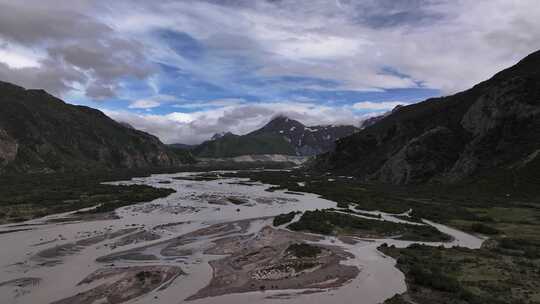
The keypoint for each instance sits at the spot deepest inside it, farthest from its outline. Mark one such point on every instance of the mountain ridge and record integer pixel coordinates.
(493, 125)
(42, 133)
(281, 135)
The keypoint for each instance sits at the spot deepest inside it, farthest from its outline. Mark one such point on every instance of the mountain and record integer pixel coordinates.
(220, 135)
(231, 145)
(41, 133)
(374, 119)
(371, 121)
(281, 135)
(306, 141)
(491, 127)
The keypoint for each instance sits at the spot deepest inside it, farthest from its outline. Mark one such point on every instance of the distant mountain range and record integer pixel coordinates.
(41, 133)
(492, 127)
(281, 135)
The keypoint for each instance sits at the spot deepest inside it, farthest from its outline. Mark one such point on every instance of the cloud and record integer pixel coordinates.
(16, 59)
(218, 103)
(153, 101)
(431, 43)
(60, 40)
(377, 106)
(55, 78)
(441, 44)
(144, 104)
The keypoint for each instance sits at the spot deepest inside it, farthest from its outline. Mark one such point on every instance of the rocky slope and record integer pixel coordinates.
(306, 140)
(492, 126)
(41, 133)
(281, 135)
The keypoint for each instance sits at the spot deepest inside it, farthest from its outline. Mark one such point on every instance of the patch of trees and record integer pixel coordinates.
(283, 218)
(304, 250)
(484, 229)
(519, 247)
(328, 222)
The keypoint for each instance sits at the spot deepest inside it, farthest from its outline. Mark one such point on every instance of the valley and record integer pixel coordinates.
(270, 152)
(164, 249)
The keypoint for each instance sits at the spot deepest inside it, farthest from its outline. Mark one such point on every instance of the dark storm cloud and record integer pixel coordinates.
(30, 25)
(54, 78)
(76, 49)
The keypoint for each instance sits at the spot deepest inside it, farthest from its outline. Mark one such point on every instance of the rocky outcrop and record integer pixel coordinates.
(494, 125)
(8, 149)
(425, 156)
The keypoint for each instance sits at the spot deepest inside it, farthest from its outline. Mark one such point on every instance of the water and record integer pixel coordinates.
(192, 207)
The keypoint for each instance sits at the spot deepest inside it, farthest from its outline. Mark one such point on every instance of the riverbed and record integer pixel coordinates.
(173, 241)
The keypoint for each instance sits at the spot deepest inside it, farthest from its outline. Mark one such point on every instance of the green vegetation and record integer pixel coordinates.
(459, 205)
(303, 250)
(483, 229)
(234, 145)
(283, 218)
(128, 195)
(329, 222)
(185, 156)
(459, 275)
(28, 196)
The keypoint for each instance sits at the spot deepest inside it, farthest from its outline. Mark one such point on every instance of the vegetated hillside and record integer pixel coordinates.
(281, 135)
(491, 127)
(41, 133)
(231, 145)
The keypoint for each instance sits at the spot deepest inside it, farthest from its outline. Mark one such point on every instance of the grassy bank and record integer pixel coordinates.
(335, 223)
(458, 275)
(28, 196)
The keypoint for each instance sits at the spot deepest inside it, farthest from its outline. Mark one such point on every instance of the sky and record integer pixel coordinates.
(184, 70)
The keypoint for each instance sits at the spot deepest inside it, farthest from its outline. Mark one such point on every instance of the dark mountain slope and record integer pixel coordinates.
(41, 133)
(494, 125)
(231, 145)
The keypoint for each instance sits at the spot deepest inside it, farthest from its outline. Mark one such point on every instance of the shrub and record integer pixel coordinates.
(283, 218)
(304, 250)
(484, 229)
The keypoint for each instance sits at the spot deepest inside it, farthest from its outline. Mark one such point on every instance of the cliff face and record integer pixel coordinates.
(8, 148)
(494, 125)
(41, 133)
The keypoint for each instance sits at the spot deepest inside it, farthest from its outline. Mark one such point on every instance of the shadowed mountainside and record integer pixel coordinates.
(41, 133)
(493, 126)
